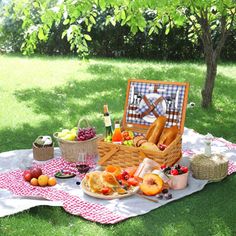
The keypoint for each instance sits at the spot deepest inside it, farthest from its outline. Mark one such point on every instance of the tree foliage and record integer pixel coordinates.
(210, 20)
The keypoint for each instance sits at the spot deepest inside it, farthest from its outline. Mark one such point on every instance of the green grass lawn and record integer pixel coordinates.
(41, 95)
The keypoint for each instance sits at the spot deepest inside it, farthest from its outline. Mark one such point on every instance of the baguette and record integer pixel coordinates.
(168, 135)
(155, 131)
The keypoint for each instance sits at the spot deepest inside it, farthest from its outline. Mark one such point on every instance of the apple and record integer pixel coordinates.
(27, 175)
(36, 172)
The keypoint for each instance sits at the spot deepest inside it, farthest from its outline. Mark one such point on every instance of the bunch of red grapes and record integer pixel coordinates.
(86, 133)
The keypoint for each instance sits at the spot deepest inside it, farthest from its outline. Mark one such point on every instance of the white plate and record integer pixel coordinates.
(151, 118)
(107, 197)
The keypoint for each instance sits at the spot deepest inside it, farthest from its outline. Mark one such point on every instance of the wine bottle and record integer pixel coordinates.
(107, 122)
(117, 137)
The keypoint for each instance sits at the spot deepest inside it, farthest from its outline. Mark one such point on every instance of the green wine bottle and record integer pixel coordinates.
(107, 122)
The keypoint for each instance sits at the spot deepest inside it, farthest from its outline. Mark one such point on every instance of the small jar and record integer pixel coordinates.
(146, 167)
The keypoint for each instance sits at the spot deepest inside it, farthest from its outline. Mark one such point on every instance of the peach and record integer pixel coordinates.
(152, 184)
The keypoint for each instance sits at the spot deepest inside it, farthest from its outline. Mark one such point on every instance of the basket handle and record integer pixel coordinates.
(108, 155)
(85, 121)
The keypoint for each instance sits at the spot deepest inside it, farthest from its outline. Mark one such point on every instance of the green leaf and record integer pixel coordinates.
(151, 30)
(108, 19)
(141, 29)
(41, 35)
(113, 21)
(66, 21)
(64, 34)
(87, 37)
(91, 18)
(122, 15)
(102, 4)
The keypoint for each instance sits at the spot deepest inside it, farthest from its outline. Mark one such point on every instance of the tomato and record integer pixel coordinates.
(133, 182)
(106, 190)
(119, 177)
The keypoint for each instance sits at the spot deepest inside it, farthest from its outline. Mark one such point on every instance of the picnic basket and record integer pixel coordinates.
(70, 149)
(125, 156)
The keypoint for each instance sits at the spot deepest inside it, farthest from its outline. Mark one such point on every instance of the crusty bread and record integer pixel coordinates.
(156, 131)
(168, 135)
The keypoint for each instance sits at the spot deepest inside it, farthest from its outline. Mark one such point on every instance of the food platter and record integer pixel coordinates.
(86, 190)
(151, 118)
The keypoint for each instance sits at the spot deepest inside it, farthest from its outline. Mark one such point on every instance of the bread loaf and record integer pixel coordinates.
(150, 146)
(154, 132)
(168, 135)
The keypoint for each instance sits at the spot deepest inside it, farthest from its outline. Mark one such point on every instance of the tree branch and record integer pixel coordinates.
(224, 34)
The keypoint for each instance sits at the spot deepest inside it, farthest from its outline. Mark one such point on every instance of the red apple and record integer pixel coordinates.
(27, 176)
(36, 172)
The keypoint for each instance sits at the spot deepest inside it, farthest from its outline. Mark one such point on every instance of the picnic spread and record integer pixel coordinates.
(148, 160)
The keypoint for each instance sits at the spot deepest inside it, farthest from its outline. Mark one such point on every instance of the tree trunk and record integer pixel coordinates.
(207, 90)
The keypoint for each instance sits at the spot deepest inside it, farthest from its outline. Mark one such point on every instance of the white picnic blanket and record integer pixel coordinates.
(127, 207)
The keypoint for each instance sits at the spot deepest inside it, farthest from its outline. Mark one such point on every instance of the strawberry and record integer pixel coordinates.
(174, 172)
(184, 169)
(119, 177)
(132, 181)
(163, 166)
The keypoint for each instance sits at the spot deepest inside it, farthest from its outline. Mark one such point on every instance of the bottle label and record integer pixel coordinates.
(107, 121)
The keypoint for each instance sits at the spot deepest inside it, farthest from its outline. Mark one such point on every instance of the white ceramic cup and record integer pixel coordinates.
(178, 181)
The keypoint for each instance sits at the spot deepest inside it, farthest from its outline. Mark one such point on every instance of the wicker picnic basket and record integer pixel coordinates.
(70, 149)
(124, 156)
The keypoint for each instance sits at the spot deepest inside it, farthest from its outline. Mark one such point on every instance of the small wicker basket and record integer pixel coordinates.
(43, 153)
(70, 149)
(213, 168)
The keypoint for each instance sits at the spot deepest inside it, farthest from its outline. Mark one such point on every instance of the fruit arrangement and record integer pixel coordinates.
(175, 170)
(36, 177)
(67, 134)
(127, 138)
(77, 134)
(112, 181)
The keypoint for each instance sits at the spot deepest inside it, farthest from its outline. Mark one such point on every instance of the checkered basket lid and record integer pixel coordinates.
(147, 99)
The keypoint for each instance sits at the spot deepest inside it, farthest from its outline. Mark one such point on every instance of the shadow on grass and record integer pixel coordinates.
(85, 98)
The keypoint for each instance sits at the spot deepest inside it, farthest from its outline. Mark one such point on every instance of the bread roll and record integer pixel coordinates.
(138, 140)
(168, 135)
(150, 146)
(155, 132)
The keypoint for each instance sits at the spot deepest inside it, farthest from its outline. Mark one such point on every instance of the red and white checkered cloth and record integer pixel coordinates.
(14, 182)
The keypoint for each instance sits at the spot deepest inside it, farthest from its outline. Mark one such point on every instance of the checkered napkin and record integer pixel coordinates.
(159, 109)
(14, 182)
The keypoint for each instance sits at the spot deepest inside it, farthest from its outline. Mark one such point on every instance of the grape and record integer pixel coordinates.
(86, 133)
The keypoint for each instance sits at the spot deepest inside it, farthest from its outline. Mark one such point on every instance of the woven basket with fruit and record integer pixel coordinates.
(77, 140)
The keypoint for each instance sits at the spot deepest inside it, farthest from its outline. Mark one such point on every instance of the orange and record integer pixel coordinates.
(113, 169)
(52, 181)
(43, 180)
(34, 182)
